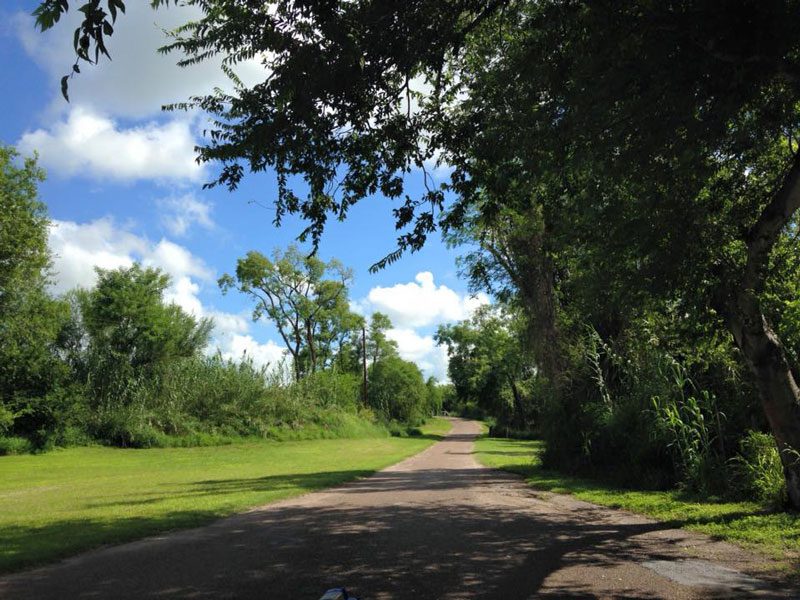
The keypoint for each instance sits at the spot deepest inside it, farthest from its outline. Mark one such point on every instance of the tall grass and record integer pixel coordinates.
(210, 400)
(635, 414)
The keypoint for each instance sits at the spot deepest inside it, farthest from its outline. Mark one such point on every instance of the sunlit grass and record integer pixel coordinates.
(776, 534)
(65, 501)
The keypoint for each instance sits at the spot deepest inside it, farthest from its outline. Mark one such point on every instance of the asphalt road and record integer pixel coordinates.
(437, 525)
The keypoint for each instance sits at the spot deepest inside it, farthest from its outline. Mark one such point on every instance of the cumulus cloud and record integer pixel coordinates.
(422, 350)
(139, 80)
(421, 302)
(415, 306)
(87, 143)
(80, 247)
(183, 292)
(180, 213)
(232, 339)
(237, 347)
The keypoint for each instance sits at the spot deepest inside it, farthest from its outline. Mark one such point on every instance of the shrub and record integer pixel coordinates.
(14, 445)
(757, 469)
(633, 414)
(398, 391)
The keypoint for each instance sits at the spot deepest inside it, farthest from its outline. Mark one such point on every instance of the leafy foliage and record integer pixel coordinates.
(311, 312)
(398, 390)
(489, 367)
(625, 169)
(119, 364)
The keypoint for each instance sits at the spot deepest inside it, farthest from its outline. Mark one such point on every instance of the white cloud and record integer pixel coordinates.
(416, 305)
(138, 81)
(80, 247)
(180, 213)
(232, 339)
(176, 260)
(87, 143)
(239, 346)
(183, 292)
(422, 350)
(229, 323)
(422, 303)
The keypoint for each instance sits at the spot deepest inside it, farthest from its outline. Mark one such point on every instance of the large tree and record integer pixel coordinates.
(31, 321)
(131, 331)
(305, 297)
(488, 361)
(379, 346)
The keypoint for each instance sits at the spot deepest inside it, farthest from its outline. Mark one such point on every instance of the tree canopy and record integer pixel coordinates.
(616, 164)
(309, 310)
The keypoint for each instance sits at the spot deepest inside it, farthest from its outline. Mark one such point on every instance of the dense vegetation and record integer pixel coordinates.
(117, 364)
(773, 533)
(625, 177)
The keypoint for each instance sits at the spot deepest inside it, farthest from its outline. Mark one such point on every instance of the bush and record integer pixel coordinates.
(633, 414)
(757, 470)
(14, 445)
(397, 390)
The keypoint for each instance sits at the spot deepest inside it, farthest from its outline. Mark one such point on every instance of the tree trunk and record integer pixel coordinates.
(538, 292)
(296, 357)
(519, 409)
(312, 351)
(364, 363)
(521, 251)
(780, 396)
(763, 351)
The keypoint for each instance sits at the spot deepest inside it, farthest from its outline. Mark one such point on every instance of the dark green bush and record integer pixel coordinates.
(15, 445)
(397, 391)
(757, 470)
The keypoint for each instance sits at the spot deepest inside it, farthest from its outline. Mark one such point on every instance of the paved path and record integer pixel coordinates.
(437, 525)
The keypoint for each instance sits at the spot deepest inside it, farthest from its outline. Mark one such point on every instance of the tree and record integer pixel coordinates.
(131, 331)
(398, 390)
(486, 358)
(436, 393)
(24, 257)
(339, 104)
(30, 321)
(378, 345)
(292, 291)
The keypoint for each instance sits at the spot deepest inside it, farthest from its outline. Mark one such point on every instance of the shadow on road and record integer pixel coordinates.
(424, 550)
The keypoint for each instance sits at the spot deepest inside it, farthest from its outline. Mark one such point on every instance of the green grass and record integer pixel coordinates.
(59, 503)
(436, 427)
(775, 534)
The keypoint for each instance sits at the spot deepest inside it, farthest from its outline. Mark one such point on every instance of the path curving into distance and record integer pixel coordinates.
(437, 525)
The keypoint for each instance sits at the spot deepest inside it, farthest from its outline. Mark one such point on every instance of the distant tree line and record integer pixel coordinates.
(118, 364)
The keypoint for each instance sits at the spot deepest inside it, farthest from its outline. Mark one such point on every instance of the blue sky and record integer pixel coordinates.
(123, 185)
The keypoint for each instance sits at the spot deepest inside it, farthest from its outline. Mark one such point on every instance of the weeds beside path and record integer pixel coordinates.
(776, 534)
(66, 501)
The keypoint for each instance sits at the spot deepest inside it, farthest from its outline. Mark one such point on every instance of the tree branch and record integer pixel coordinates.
(764, 234)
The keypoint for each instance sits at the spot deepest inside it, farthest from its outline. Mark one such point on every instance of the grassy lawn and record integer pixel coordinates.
(62, 502)
(436, 427)
(774, 534)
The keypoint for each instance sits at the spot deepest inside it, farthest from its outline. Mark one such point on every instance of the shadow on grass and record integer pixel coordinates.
(28, 546)
(24, 546)
(766, 529)
(505, 452)
(435, 437)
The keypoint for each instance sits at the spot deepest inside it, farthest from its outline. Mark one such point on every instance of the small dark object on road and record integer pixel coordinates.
(337, 594)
